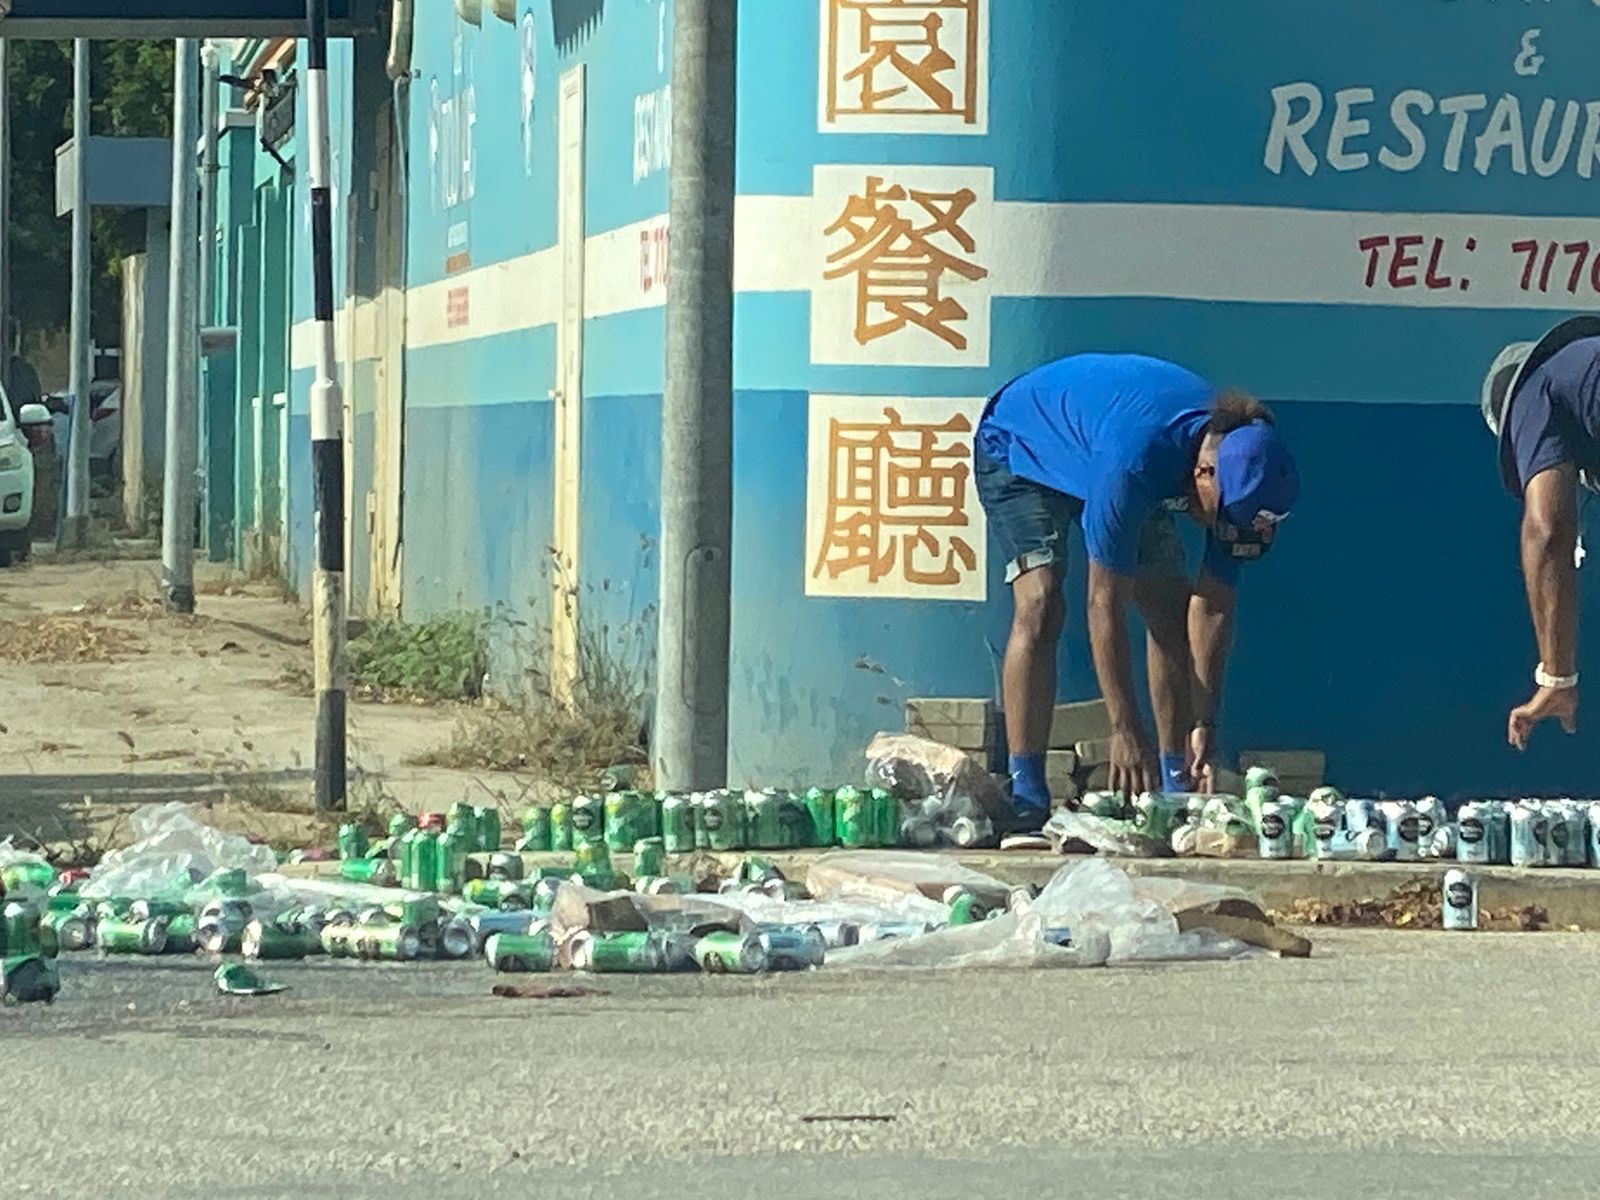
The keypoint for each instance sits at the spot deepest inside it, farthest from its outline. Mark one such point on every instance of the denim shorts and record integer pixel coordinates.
(1030, 522)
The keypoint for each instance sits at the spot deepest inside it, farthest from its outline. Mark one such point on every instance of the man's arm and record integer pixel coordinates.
(1132, 764)
(1549, 569)
(1210, 638)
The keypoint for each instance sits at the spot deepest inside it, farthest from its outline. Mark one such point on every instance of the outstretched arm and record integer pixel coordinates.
(1550, 571)
(1210, 638)
(1132, 764)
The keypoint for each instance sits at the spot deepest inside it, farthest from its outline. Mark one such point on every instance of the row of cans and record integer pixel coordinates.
(715, 952)
(722, 820)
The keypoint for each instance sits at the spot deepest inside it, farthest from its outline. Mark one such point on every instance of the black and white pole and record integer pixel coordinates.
(327, 440)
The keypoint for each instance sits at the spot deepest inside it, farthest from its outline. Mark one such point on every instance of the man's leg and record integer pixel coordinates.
(1161, 594)
(1028, 680)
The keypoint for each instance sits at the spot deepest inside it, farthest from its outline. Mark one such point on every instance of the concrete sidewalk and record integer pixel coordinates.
(1569, 896)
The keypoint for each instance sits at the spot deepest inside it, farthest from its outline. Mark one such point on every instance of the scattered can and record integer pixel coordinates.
(618, 777)
(793, 947)
(918, 833)
(398, 943)
(728, 953)
(629, 817)
(617, 953)
(433, 822)
(503, 894)
(182, 932)
(505, 864)
(1184, 840)
(132, 937)
(378, 871)
(263, 941)
(401, 824)
(521, 952)
(677, 823)
(967, 832)
(650, 856)
(1460, 900)
(74, 928)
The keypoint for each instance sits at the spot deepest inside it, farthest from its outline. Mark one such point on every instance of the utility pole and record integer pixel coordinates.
(208, 183)
(690, 740)
(8, 349)
(183, 343)
(327, 440)
(74, 528)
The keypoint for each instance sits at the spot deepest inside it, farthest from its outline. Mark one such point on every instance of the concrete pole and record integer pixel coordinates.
(183, 343)
(7, 347)
(209, 62)
(690, 740)
(327, 439)
(74, 529)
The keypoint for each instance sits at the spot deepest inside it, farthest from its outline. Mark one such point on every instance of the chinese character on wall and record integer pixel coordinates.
(891, 510)
(904, 66)
(904, 277)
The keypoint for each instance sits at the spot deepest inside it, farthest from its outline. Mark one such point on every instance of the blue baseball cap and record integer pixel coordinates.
(1256, 476)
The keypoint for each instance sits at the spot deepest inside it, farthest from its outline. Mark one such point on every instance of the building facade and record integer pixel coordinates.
(1347, 209)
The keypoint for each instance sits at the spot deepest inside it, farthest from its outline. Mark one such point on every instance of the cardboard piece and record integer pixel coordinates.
(1244, 921)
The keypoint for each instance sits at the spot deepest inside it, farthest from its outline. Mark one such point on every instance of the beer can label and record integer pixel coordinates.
(1471, 830)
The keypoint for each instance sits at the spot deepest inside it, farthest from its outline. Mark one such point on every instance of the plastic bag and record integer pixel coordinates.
(1089, 914)
(173, 852)
(895, 877)
(1107, 835)
(915, 768)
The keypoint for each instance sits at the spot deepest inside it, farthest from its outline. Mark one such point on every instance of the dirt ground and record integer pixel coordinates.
(109, 703)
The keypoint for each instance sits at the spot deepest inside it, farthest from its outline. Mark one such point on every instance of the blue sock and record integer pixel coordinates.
(1174, 772)
(1028, 788)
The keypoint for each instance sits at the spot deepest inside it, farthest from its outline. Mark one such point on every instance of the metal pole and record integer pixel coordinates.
(74, 529)
(183, 343)
(690, 742)
(327, 439)
(8, 345)
(209, 62)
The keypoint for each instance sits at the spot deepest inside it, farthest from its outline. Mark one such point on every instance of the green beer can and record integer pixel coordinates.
(266, 941)
(395, 943)
(677, 823)
(487, 823)
(400, 824)
(520, 952)
(617, 953)
(535, 828)
(28, 875)
(650, 856)
(451, 872)
(561, 826)
(819, 808)
(591, 858)
(630, 817)
(353, 840)
(727, 953)
(424, 862)
(379, 871)
(855, 818)
(886, 807)
(722, 821)
(763, 819)
(181, 935)
(20, 928)
(495, 893)
(588, 820)
(464, 817)
(132, 937)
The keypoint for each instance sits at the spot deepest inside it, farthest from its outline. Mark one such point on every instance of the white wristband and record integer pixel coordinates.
(1558, 683)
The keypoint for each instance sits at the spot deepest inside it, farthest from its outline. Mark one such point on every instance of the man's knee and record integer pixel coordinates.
(1038, 611)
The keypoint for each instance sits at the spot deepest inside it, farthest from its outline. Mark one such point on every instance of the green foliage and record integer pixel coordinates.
(131, 96)
(441, 659)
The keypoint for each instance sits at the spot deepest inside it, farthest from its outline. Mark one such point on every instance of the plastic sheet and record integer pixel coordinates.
(1104, 917)
(915, 768)
(891, 877)
(173, 852)
(1108, 835)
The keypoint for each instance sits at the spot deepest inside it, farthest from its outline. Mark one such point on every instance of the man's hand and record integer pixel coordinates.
(1202, 748)
(1560, 703)
(1133, 766)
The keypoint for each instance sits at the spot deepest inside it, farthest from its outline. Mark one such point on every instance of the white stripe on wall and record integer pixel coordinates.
(1166, 251)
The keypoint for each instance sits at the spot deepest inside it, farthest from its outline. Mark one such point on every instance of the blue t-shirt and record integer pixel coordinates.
(1117, 431)
(1555, 415)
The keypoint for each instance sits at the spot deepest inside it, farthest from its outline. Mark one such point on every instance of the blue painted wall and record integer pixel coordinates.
(1388, 628)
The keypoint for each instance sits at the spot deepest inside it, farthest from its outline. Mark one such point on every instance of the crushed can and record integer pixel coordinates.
(1556, 833)
(617, 953)
(353, 840)
(793, 947)
(27, 979)
(535, 828)
(505, 864)
(727, 953)
(1185, 840)
(263, 941)
(1460, 900)
(650, 856)
(918, 833)
(132, 937)
(561, 826)
(1577, 822)
(379, 871)
(521, 952)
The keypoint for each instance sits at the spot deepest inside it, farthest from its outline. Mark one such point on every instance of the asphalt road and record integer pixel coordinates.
(1389, 1064)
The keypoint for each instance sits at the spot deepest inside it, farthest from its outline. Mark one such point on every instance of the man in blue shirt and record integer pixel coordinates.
(1542, 401)
(1118, 443)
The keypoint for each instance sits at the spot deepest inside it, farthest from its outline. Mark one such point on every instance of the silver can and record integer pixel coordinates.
(1577, 834)
(1364, 814)
(505, 864)
(1327, 826)
(1185, 838)
(1472, 832)
(1402, 821)
(1276, 839)
(1430, 816)
(919, 833)
(967, 832)
(1593, 840)
(1530, 835)
(1460, 900)
(1369, 845)
(793, 947)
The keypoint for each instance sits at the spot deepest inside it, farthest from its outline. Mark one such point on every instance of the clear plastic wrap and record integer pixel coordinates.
(173, 852)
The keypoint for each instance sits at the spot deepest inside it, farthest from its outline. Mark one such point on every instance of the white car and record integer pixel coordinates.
(16, 478)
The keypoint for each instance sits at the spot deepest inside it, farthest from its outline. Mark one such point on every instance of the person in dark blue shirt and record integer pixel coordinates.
(1542, 402)
(1118, 443)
